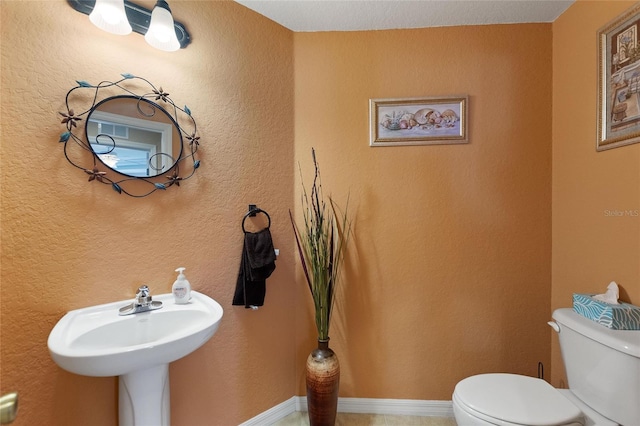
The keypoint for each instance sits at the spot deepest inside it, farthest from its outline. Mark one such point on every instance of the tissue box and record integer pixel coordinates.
(616, 317)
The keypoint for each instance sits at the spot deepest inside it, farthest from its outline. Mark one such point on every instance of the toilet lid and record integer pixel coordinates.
(516, 399)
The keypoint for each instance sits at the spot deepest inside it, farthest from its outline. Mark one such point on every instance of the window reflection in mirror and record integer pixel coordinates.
(133, 136)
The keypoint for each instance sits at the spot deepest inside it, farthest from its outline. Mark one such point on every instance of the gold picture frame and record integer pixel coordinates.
(418, 121)
(619, 81)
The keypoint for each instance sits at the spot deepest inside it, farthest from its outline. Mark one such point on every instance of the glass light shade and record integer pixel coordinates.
(162, 33)
(109, 15)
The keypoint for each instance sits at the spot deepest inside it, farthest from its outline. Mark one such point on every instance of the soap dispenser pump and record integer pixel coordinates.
(181, 288)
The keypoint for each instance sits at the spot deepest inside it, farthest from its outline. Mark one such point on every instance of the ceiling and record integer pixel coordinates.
(357, 15)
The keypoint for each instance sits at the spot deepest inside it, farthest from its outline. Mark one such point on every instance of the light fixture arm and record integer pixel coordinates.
(138, 16)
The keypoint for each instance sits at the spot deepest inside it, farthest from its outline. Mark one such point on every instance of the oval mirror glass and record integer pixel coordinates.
(134, 136)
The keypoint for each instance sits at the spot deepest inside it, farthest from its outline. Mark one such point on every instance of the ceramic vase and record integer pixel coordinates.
(323, 381)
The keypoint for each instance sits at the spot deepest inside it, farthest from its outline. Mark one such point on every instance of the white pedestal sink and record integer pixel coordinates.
(138, 348)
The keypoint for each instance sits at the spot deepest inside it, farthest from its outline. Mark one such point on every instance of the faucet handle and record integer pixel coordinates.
(142, 296)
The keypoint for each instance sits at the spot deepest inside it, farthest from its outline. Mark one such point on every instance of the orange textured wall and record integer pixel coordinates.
(68, 243)
(590, 247)
(450, 272)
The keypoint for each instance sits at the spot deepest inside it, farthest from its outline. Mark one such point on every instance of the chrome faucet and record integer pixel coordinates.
(143, 298)
(142, 303)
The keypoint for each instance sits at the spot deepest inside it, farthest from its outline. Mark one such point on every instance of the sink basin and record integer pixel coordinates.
(96, 341)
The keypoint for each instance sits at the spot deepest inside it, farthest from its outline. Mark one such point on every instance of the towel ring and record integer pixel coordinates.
(253, 212)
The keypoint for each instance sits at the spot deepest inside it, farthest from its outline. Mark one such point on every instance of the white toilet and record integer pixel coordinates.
(603, 369)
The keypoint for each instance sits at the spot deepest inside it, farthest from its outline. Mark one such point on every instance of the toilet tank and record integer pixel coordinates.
(602, 365)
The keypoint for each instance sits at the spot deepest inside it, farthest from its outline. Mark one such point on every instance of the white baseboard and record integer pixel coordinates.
(405, 407)
(274, 414)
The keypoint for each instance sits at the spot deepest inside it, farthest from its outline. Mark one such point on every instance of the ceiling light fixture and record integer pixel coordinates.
(161, 34)
(139, 19)
(109, 15)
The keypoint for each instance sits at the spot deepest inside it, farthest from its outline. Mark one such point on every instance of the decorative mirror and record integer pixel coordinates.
(139, 140)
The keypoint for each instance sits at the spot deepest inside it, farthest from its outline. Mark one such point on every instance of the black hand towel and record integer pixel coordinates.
(260, 254)
(256, 265)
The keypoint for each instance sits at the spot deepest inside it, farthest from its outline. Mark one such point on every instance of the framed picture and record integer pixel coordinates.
(418, 121)
(619, 81)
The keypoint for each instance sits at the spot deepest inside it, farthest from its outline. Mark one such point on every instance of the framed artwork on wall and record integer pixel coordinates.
(418, 121)
(619, 81)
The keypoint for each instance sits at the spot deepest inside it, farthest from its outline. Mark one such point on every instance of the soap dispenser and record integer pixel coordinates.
(181, 288)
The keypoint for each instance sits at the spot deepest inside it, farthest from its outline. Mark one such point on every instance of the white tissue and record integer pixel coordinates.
(610, 296)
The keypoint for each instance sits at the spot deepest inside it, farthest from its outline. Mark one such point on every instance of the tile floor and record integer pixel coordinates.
(300, 418)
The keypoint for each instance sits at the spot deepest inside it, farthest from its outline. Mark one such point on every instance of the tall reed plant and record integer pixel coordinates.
(322, 242)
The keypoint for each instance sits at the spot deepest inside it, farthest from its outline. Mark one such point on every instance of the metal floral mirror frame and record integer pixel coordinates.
(140, 141)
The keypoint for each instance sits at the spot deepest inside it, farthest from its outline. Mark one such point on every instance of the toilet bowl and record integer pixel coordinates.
(602, 366)
(514, 400)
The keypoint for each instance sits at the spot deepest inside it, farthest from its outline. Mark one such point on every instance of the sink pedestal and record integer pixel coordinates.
(143, 397)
